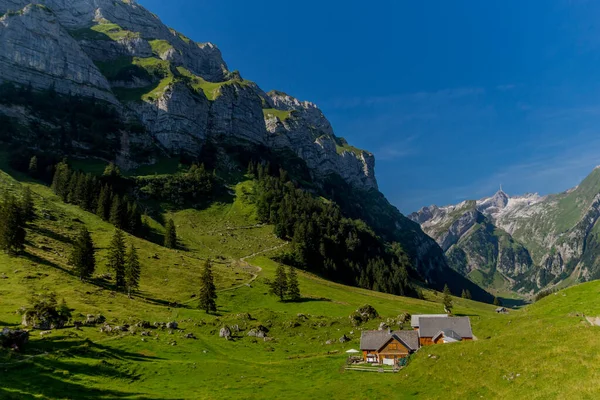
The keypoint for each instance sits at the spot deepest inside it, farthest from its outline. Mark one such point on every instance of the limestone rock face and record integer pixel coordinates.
(309, 134)
(178, 119)
(37, 50)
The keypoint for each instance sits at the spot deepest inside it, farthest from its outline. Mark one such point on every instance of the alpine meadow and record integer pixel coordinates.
(169, 230)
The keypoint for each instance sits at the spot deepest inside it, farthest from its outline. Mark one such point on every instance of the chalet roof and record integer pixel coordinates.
(414, 320)
(448, 333)
(430, 326)
(374, 340)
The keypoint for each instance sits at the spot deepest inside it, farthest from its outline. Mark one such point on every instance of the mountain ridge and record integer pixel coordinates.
(548, 237)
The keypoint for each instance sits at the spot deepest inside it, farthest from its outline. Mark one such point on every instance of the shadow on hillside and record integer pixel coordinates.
(42, 261)
(162, 302)
(510, 303)
(50, 377)
(7, 324)
(51, 234)
(308, 300)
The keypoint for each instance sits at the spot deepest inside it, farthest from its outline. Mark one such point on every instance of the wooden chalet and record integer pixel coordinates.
(387, 347)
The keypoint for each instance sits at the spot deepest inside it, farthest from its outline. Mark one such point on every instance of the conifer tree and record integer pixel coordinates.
(468, 294)
(116, 258)
(72, 189)
(497, 302)
(27, 206)
(134, 218)
(251, 168)
(170, 235)
(463, 294)
(33, 166)
(132, 271)
(447, 299)
(80, 196)
(12, 231)
(279, 285)
(117, 211)
(82, 256)
(293, 291)
(60, 182)
(104, 203)
(208, 291)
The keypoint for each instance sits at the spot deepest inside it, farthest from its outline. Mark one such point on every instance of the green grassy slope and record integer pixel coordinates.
(537, 343)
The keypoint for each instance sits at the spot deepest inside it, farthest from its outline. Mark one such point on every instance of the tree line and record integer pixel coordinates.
(324, 241)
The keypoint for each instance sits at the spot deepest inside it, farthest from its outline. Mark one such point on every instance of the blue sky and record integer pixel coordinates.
(454, 98)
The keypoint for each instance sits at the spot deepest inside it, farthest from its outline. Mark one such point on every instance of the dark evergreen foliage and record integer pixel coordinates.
(279, 285)
(12, 228)
(293, 291)
(447, 298)
(170, 235)
(327, 243)
(27, 206)
(208, 291)
(83, 255)
(117, 258)
(132, 271)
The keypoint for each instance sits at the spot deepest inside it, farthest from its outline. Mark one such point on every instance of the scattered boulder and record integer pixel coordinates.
(92, 320)
(190, 336)
(143, 324)
(367, 312)
(172, 325)
(3, 276)
(330, 341)
(383, 326)
(145, 333)
(302, 316)
(344, 339)
(14, 339)
(235, 328)
(225, 332)
(106, 329)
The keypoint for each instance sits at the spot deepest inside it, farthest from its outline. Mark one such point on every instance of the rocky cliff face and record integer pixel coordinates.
(529, 242)
(182, 91)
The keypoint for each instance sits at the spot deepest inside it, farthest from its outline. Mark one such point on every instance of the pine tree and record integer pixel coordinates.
(170, 235)
(447, 299)
(82, 256)
(116, 258)
(27, 206)
(104, 203)
(468, 292)
(293, 290)
(464, 294)
(132, 271)
(72, 188)
(117, 212)
(80, 191)
(12, 231)
(251, 168)
(208, 291)
(279, 286)
(134, 218)
(497, 302)
(60, 182)
(33, 166)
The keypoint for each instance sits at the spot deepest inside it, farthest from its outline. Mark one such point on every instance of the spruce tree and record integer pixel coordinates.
(132, 271)
(464, 294)
(468, 293)
(27, 206)
(170, 235)
(33, 167)
(293, 291)
(208, 291)
(279, 285)
(116, 258)
(117, 211)
(12, 231)
(251, 168)
(497, 302)
(60, 182)
(72, 189)
(104, 203)
(134, 218)
(82, 256)
(447, 299)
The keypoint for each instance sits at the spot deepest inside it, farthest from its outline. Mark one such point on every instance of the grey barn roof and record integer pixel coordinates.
(449, 333)
(430, 326)
(414, 320)
(374, 340)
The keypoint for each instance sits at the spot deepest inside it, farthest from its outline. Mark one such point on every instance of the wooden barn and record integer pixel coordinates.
(387, 347)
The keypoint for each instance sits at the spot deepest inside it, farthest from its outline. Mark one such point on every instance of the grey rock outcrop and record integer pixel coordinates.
(37, 50)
